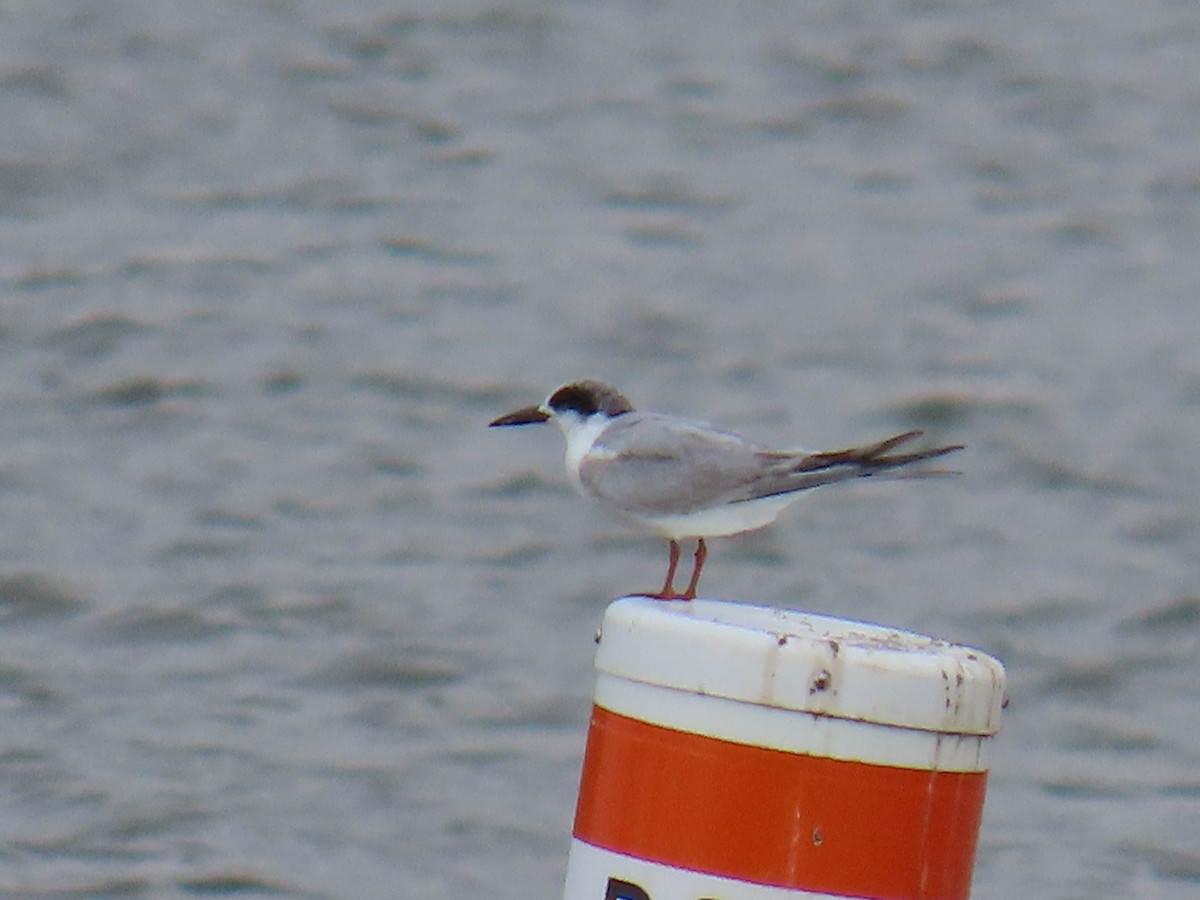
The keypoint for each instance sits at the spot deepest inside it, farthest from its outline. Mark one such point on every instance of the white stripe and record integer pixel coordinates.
(791, 730)
(589, 869)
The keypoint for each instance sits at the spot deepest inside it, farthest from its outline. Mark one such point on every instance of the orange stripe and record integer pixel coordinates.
(776, 818)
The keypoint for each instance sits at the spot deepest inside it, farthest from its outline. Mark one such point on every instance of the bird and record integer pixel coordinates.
(687, 480)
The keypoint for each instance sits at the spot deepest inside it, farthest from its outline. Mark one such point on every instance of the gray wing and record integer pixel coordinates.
(657, 465)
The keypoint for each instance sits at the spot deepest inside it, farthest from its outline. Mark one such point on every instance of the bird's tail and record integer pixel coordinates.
(873, 457)
(816, 469)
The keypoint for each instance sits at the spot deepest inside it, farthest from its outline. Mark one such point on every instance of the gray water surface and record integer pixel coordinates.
(282, 618)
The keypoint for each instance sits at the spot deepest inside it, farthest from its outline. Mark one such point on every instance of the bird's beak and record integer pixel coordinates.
(528, 416)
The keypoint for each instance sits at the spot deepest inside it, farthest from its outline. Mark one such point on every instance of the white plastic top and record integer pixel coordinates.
(801, 661)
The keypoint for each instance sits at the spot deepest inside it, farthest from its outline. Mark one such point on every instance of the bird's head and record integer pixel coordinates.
(570, 406)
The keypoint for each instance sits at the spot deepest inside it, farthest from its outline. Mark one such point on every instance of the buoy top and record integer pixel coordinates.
(805, 662)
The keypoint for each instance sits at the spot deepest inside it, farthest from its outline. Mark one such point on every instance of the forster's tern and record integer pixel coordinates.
(684, 479)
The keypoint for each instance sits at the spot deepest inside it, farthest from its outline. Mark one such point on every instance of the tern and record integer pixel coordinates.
(683, 479)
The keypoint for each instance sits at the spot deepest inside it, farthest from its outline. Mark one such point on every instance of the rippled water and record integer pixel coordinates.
(281, 617)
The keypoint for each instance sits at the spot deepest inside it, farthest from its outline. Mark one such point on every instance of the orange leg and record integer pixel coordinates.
(701, 556)
(668, 590)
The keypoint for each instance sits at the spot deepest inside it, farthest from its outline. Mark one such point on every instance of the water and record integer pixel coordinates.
(282, 618)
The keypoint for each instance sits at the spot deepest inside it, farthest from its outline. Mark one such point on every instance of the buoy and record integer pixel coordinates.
(737, 752)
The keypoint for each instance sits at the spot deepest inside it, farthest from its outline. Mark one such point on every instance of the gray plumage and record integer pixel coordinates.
(637, 469)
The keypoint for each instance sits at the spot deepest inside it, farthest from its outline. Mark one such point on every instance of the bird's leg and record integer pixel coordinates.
(701, 555)
(668, 591)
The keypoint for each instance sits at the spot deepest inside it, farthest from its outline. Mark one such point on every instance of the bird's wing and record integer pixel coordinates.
(656, 465)
(649, 464)
(796, 471)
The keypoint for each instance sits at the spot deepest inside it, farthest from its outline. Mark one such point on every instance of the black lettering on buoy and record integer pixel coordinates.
(623, 890)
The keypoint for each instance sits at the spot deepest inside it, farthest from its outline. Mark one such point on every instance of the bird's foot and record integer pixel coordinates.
(668, 591)
(667, 595)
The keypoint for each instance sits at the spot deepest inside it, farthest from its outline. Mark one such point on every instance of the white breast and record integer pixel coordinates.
(581, 435)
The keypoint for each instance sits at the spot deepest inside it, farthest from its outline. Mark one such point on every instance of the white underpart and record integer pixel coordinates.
(719, 521)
